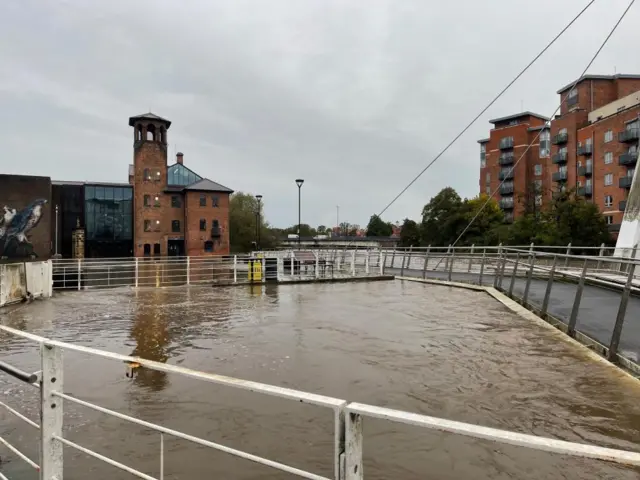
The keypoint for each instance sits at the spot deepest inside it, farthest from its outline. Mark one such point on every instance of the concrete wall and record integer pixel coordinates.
(19, 279)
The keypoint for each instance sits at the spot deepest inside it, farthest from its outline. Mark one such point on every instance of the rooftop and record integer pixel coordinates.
(206, 185)
(99, 184)
(484, 140)
(519, 115)
(149, 116)
(598, 77)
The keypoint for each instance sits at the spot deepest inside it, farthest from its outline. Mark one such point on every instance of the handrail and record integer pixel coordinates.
(17, 373)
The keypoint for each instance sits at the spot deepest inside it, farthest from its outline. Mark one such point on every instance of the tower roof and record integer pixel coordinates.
(149, 116)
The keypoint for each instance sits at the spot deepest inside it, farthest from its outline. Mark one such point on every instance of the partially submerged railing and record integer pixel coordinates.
(348, 421)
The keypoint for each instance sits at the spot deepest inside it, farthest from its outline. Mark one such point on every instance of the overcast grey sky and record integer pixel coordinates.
(354, 96)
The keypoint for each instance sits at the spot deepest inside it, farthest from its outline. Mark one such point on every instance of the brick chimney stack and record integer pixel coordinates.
(180, 158)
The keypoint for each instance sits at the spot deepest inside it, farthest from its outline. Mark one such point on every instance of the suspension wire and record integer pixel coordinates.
(551, 116)
(455, 139)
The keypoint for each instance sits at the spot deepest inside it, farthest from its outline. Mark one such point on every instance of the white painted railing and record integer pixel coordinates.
(25, 279)
(348, 420)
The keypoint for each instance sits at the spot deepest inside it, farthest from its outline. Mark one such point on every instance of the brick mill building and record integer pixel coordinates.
(176, 211)
(591, 146)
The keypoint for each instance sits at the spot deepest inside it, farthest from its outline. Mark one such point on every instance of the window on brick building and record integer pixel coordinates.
(146, 174)
(537, 185)
(176, 202)
(203, 225)
(538, 200)
(156, 249)
(175, 226)
(608, 179)
(147, 200)
(156, 201)
(483, 155)
(156, 175)
(156, 226)
(147, 249)
(608, 201)
(562, 168)
(487, 178)
(203, 200)
(588, 182)
(608, 136)
(537, 170)
(488, 189)
(214, 201)
(147, 225)
(545, 143)
(608, 219)
(208, 246)
(608, 158)
(151, 132)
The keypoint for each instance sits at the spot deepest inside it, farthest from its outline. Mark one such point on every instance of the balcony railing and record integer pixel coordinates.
(506, 189)
(585, 171)
(559, 176)
(560, 138)
(506, 143)
(628, 158)
(506, 159)
(506, 175)
(622, 205)
(585, 149)
(585, 191)
(629, 135)
(506, 204)
(625, 182)
(560, 157)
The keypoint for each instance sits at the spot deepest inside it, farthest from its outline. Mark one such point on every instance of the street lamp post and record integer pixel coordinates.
(299, 182)
(259, 198)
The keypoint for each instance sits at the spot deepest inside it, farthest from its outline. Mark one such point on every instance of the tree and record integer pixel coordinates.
(409, 234)
(484, 221)
(378, 227)
(322, 230)
(305, 230)
(243, 217)
(438, 223)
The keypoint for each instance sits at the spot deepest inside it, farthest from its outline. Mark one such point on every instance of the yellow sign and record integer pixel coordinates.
(255, 271)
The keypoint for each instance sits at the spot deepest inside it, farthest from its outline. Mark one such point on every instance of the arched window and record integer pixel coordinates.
(162, 135)
(151, 133)
(139, 133)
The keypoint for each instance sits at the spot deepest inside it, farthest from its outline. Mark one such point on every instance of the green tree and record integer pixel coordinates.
(378, 227)
(305, 230)
(243, 217)
(322, 230)
(486, 229)
(440, 218)
(409, 234)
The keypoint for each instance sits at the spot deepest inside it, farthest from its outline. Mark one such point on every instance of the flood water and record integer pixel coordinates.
(428, 349)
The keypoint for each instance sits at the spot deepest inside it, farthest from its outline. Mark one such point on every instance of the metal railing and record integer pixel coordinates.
(348, 435)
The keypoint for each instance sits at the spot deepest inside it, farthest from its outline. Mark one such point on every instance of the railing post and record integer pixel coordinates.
(496, 269)
(426, 262)
(446, 265)
(353, 263)
(484, 254)
(384, 262)
(317, 255)
(600, 255)
(235, 269)
(566, 260)
(402, 264)
(622, 310)
(51, 417)
(571, 329)
(381, 262)
(473, 246)
(532, 260)
(366, 262)
(79, 274)
(293, 263)
(189, 270)
(547, 293)
(513, 275)
(449, 275)
(353, 447)
(137, 271)
(393, 257)
(263, 265)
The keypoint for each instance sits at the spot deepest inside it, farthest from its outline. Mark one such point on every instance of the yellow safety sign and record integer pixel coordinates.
(255, 270)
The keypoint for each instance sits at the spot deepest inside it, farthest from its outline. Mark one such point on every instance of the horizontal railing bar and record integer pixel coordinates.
(2, 477)
(19, 415)
(20, 454)
(503, 436)
(93, 454)
(17, 373)
(193, 439)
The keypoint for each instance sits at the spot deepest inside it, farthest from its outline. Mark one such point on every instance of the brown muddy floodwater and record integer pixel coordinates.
(428, 349)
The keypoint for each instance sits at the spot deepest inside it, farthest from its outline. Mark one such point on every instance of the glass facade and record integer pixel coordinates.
(108, 220)
(179, 175)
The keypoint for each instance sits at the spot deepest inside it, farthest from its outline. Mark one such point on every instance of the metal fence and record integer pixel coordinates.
(348, 435)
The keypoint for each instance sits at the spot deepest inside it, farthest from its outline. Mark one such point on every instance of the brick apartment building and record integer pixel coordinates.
(176, 212)
(593, 149)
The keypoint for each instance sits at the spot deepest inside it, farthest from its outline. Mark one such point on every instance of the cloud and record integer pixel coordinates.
(355, 97)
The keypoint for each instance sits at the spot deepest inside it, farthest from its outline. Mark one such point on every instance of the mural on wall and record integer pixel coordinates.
(15, 227)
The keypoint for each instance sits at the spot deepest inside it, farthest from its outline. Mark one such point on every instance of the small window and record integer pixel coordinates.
(538, 200)
(147, 200)
(563, 131)
(573, 93)
(488, 190)
(608, 179)
(203, 200)
(545, 143)
(176, 201)
(215, 224)
(147, 225)
(156, 226)
(156, 175)
(147, 249)
(483, 155)
(214, 201)
(608, 136)
(208, 246)
(147, 175)
(487, 178)
(608, 158)
(608, 219)
(537, 170)
(156, 201)
(203, 225)
(156, 249)
(175, 226)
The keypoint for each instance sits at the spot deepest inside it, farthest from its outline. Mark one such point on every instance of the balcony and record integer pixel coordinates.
(506, 189)
(505, 175)
(506, 204)
(628, 158)
(614, 227)
(625, 182)
(585, 191)
(585, 171)
(630, 135)
(560, 157)
(506, 159)
(560, 138)
(622, 205)
(559, 176)
(506, 143)
(585, 149)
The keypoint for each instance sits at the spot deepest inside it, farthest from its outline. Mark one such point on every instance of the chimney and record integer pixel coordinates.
(179, 157)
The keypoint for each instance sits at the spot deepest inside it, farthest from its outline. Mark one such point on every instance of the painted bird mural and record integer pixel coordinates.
(17, 225)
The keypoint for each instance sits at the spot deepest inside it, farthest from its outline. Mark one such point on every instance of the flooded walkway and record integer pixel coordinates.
(428, 349)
